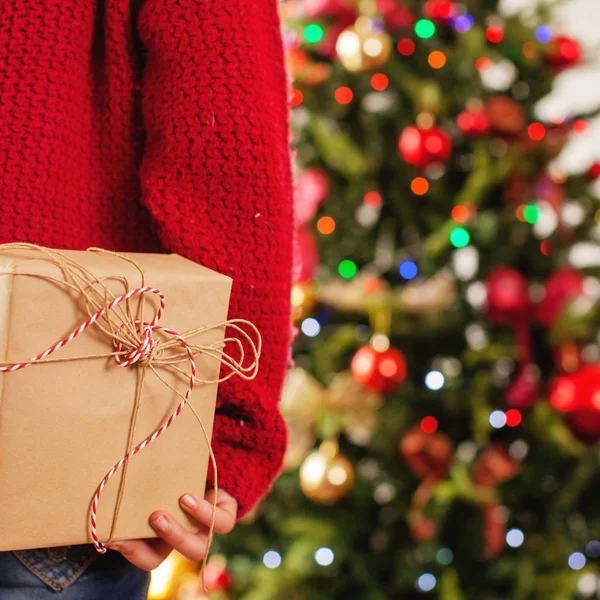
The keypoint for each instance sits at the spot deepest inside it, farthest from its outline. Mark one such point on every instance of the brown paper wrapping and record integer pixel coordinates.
(64, 425)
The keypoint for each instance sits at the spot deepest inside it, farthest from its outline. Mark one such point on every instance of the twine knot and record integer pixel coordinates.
(141, 349)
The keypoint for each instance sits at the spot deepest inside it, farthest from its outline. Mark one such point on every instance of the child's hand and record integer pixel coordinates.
(148, 554)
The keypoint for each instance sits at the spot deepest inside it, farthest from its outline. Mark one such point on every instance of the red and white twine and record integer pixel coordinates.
(133, 357)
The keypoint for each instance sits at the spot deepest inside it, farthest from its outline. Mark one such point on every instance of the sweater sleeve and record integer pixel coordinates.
(216, 179)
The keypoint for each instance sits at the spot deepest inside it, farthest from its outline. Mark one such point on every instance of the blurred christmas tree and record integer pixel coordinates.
(446, 395)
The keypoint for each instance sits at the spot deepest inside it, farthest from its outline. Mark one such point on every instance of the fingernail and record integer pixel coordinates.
(161, 523)
(189, 501)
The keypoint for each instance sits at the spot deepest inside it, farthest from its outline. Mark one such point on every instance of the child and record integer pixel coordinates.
(156, 126)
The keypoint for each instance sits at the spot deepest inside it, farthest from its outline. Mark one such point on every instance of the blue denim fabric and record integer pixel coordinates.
(74, 573)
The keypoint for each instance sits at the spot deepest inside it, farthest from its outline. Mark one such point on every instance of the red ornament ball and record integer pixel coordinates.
(439, 10)
(578, 395)
(563, 52)
(562, 287)
(473, 123)
(593, 172)
(216, 577)
(423, 147)
(508, 300)
(379, 371)
(396, 15)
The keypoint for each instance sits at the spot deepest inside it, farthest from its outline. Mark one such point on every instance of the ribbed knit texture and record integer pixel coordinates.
(161, 125)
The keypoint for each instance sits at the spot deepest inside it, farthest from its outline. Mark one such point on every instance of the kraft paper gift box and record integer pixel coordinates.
(63, 425)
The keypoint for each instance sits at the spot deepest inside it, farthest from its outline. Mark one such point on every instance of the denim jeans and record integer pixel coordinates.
(74, 573)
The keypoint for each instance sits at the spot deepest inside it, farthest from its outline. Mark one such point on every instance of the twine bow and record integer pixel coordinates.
(146, 344)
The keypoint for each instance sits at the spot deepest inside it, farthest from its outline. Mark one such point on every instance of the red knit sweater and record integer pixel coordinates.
(162, 125)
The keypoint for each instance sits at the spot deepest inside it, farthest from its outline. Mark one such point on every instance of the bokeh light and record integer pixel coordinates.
(408, 269)
(324, 556)
(419, 186)
(406, 47)
(343, 95)
(459, 237)
(460, 213)
(577, 561)
(543, 33)
(434, 380)
(372, 198)
(313, 33)
(310, 327)
(426, 582)
(536, 132)
(326, 225)
(424, 28)
(347, 269)
(513, 417)
(515, 538)
(379, 81)
(436, 59)
(272, 559)
(494, 34)
(429, 424)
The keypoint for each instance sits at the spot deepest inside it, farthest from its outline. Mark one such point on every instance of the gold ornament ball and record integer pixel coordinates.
(168, 577)
(363, 46)
(303, 301)
(326, 476)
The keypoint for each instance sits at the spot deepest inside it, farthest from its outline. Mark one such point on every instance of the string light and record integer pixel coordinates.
(343, 95)
(434, 381)
(406, 47)
(347, 269)
(326, 225)
(296, 98)
(497, 419)
(459, 237)
(429, 424)
(520, 212)
(515, 538)
(531, 214)
(310, 327)
(379, 81)
(463, 23)
(483, 63)
(313, 33)
(543, 34)
(424, 28)
(536, 132)
(577, 561)
(324, 556)
(272, 559)
(408, 269)
(460, 213)
(372, 199)
(419, 186)
(580, 126)
(494, 34)
(436, 59)
(513, 417)
(426, 582)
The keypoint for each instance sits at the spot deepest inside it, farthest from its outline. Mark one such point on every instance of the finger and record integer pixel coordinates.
(146, 555)
(201, 509)
(191, 545)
